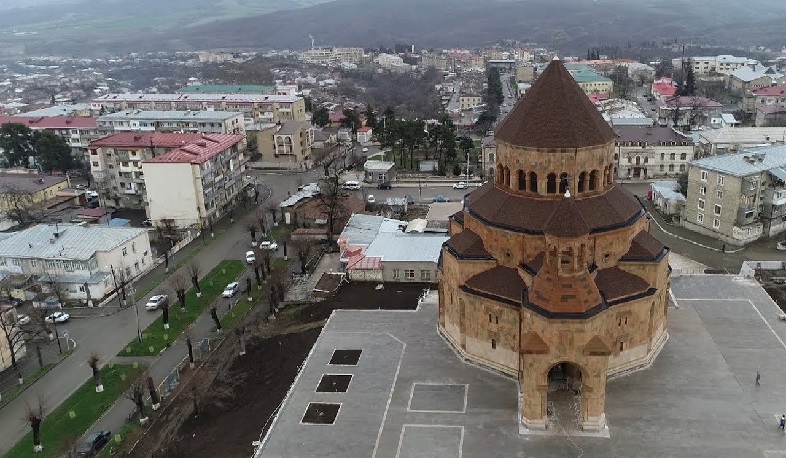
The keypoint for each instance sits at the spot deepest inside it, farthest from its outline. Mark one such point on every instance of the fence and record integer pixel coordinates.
(170, 382)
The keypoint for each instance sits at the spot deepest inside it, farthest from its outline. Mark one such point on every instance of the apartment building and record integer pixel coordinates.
(469, 101)
(85, 260)
(197, 182)
(690, 111)
(78, 132)
(651, 152)
(590, 81)
(763, 97)
(255, 107)
(754, 77)
(738, 198)
(734, 139)
(227, 89)
(116, 162)
(708, 65)
(332, 55)
(206, 122)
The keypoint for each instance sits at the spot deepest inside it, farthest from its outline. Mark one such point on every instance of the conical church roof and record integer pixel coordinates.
(555, 113)
(567, 221)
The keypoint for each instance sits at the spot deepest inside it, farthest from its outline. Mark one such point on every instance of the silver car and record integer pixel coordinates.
(156, 301)
(231, 289)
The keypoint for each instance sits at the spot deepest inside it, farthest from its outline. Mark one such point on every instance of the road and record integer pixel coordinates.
(109, 335)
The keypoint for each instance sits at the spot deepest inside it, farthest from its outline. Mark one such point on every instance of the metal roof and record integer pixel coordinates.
(176, 115)
(361, 230)
(750, 161)
(412, 247)
(668, 189)
(73, 242)
(229, 98)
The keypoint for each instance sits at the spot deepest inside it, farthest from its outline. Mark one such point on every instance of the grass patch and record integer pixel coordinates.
(132, 430)
(155, 337)
(77, 413)
(281, 264)
(11, 393)
(233, 316)
(280, 232)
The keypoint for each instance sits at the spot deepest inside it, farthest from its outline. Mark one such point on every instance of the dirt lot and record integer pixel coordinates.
(235, 397)
(774, 282)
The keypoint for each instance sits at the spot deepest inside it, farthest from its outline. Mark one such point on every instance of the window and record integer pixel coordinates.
(700, 218)
(715, 223)
(493, 344)
(133, 247)
(720, 180)
(125, 251)
(136, 266)
(2, 262)
(16, 262)
(662, 167)
(701, 204)
(683, 156)
(622, 346)
(719, 194)
(409, 274)
(703, 190)
(630, 160)
(95, 163)
(496, 319)
(717, 210)
(672, 156)
(124, 163)
(662, 156)
(682, 167)
(489, 318)
(81, 288)
(704, 175)
(425, 275)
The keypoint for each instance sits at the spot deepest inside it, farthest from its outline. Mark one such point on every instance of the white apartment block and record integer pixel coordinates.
(255, 107)
(331, 55)
(706, 65)
(77, 131)
(651, 152)
(205, 122)
(198, 182)
(81, 258)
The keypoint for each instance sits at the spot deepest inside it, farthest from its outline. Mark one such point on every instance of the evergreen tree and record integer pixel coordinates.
(320, 117)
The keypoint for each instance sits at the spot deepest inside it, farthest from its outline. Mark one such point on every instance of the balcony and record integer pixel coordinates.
(749, 188)
(776, 197)
(130, 191)
(746, 214)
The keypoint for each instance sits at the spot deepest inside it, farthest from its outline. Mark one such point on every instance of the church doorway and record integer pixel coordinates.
(564, 396)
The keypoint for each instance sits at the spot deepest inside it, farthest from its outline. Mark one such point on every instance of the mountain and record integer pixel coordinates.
(569, 25)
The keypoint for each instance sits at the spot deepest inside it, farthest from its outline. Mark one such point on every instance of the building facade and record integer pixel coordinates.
(20, 189)
(687, 111)
(738, 198)
(550, 274)
(293, 142)
(196, 183)
(85, 261)
(255, 107)
(78, 132)
(205, 122)
(651, 152)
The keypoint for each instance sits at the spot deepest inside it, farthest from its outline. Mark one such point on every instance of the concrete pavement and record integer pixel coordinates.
(110, 334)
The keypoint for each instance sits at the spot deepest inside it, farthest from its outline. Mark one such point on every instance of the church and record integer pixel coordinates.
(550, 274)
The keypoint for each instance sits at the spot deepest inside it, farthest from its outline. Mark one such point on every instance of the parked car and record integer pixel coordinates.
(231, 289)
(147, 223)
(251, 257)
(441, 198)
(365, 150)
(48, 303)
(460, 185)
(384, 185)
(57, 317)
(371, 199)
(93, 444)
(91, 194)
(156, 301)
(354, 185)
(21, 318)
(268, 245)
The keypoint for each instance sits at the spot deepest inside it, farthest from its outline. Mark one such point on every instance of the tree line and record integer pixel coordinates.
(24, 147)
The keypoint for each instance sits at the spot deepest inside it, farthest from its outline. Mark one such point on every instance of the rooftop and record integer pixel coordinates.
(408, 247)
(743, 135)
(28, 182)
(750, 161)
(770, 90)
(291, 127)
(688, 101)
(160, 115)
(555, 113)
(57, 110)
(226, 89)
(51, 122)
(362, 229)
(199, 151)
(651, 135)
(748, 74)
(72, 242)
(228, 98)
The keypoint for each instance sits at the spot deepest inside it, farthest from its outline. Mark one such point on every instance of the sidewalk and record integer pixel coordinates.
(110, 334)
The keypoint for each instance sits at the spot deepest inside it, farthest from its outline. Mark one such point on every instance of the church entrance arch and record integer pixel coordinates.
(564, 396)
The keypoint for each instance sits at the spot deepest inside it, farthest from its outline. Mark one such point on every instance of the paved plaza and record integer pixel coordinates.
(411, 396)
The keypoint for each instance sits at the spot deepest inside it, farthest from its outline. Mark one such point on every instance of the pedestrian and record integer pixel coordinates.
(758, 378)
(783, 422)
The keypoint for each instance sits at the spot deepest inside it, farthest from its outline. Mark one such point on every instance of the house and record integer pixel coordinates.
(753, 77)
(733, 139)
(738, 198)
(325, 137)
(590, 81)
(85, 260)
(666, 197)
(362, 229)
(663, 88)
(364, 135)
(770, 116)
(206, 122)
(469, 101)
(724, 120)
(651, 152)
(763, 97)
(9, 319)
(255, 107)
(379, 171)
(23, 189)
(407, 257)
(641, 72)
(313, 213)
(690, 111)
(293, 142)
(197, 182)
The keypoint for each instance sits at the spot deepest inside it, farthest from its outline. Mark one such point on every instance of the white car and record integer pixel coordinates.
(354, 185)
(231, 289)
(91, 194)
(460, 185)
(371, 199)
(21, 318)
(251, 257)
(57, 317)
(267, 245)
(155, 302)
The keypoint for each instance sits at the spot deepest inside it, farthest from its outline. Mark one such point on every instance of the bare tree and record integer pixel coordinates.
(136, 393)
(252, 228)
(261, 221)
(279, 281)
(20, 205)
(165, 313)
(303, 248)
(273, 208)
(240, 332)
(190, 345)
(93, 361)
(332, 201)
(34, 415)
(194, 271)
(179, 283)
(122, 279)
(167, 234)
(14, 337)
(155, 399)
(214, 315)
(60, 292)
